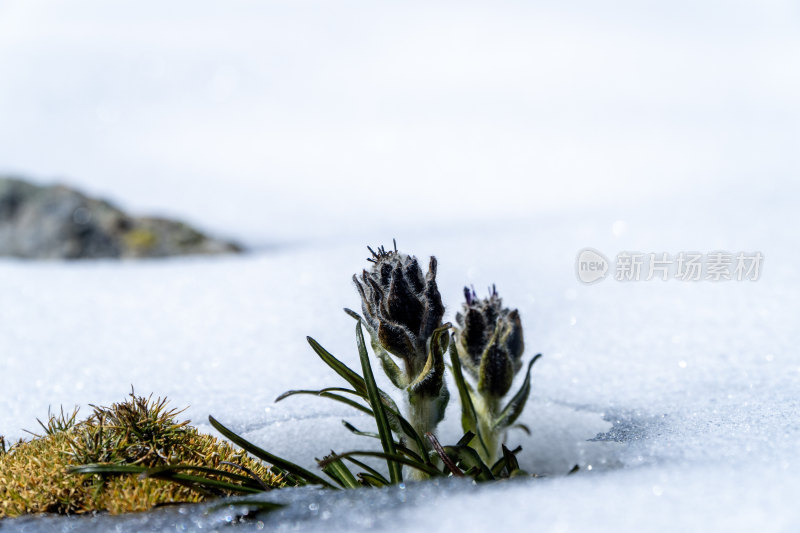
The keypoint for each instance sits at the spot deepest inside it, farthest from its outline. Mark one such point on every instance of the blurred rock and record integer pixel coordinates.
(57, 222)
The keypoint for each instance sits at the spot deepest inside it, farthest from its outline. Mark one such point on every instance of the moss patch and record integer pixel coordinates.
(34, 475)
(140, 240)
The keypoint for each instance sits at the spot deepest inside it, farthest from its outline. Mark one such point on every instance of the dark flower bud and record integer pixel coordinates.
(489, 342)
(402, 306)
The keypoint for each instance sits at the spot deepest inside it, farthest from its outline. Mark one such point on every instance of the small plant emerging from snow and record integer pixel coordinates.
(403, 313)
(134, 455)
(488, 343)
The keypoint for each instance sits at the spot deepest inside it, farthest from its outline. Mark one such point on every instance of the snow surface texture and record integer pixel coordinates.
(502, 138)
(678, 400)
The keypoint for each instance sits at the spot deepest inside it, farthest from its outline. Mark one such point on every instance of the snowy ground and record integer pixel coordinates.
(503, 138)
(682, 397)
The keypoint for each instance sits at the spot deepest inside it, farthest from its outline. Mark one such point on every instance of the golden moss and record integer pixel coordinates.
(140, 239)
(34, 475)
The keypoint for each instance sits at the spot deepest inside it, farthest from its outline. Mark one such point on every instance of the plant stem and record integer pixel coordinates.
(423, 416)
(486, 409)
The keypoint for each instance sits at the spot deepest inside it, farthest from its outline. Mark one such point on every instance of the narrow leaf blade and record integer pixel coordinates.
(264, 455)
(469, 418)
(325, 394)
(514, 408)
(394, 458)
(385, 432)
(339, 367)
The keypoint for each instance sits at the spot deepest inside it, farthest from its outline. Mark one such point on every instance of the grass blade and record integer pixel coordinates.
(469, 418)
(466, 439)
(385, 432)
(203, 484)
(283, 464)
(350, 375)
(469, 458)
(355, 431)
(398, 446)
(514, 408)
(396, 420)
(443, 456)
(372, 481)
(156, 471)
(401, 425)
(372, 472)
(336, 468)
(263, 484)
(356, 381)
(394, 458)
(429, 380)
(512, 465)
(325, 394)
(508, 461)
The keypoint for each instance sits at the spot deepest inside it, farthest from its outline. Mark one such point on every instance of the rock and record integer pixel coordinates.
(57, 222)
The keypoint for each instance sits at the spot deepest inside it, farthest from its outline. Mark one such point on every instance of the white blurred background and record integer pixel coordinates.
(283, 120)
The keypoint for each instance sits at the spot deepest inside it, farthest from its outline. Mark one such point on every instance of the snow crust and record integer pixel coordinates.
(502, 139)
(678, 401)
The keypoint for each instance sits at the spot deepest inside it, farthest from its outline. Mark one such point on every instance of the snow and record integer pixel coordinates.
(503, 141)
(678, 400)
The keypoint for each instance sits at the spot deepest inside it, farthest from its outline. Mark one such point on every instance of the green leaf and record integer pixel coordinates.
(469, 459)
(339, 367)
(522, 427)
(390, 368)
(288, 478)
(430, 379)
(371, 471)
(352, 314)
(448, 463)
(264, 455)
(401, 425)
(203, 484)
(507, 462)
(336, 469)
(469, 417)
(514, 408)
(394, 458)
(352, 429)
(372, 481)
(398, 446)
(387, 441)
(206, 483)
(349, 374)
(397, 422)
(169, 469)
(466, 439)
(325, 394)
(254, 477)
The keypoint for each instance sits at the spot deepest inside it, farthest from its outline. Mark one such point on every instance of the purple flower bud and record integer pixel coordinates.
(402, 306)
(489, 342)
